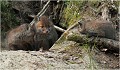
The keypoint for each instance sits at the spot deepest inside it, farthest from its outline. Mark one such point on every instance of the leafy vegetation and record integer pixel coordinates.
(75, 10)
(8, 19)
(71, 13)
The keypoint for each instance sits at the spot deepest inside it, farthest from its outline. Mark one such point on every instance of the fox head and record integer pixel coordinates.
(43, 25)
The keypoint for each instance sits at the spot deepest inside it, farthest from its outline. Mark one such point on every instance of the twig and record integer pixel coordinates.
(59, 29)
(41, 12)
(66, 32)
(44, 8)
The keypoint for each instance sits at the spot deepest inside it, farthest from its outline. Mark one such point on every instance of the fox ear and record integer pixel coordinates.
(36, 18)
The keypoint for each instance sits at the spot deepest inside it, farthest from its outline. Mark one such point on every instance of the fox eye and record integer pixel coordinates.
(41, 26)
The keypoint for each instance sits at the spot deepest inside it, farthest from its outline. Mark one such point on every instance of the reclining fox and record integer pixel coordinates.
(100, 28)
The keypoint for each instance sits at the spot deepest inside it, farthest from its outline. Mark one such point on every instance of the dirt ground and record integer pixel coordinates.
(35, 60)
(59, 57)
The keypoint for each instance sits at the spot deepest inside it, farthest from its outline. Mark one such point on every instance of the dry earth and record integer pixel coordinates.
(54, 59)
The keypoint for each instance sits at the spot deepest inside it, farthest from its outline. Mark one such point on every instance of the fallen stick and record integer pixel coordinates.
(41, 12)
(59, 29)
(66, 33)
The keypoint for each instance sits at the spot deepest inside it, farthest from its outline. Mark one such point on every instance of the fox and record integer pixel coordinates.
(98, 28)
(20, 38)
(32, 36)
(46, 34)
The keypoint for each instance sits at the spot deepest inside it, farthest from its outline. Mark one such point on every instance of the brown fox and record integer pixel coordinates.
(20, 38)
(46, 34)
(100, 28)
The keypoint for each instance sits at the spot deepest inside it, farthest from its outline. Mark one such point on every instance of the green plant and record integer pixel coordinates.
(71, 13)
(8, 18)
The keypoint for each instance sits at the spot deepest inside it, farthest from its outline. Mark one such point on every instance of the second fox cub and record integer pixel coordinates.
(20, 38)
(101, 28)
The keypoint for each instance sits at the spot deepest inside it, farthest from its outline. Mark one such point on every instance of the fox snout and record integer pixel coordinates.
(43, 31)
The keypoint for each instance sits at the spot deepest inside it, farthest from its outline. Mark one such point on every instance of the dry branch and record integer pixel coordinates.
(59, 29)
(41, 12)
(66, 32)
